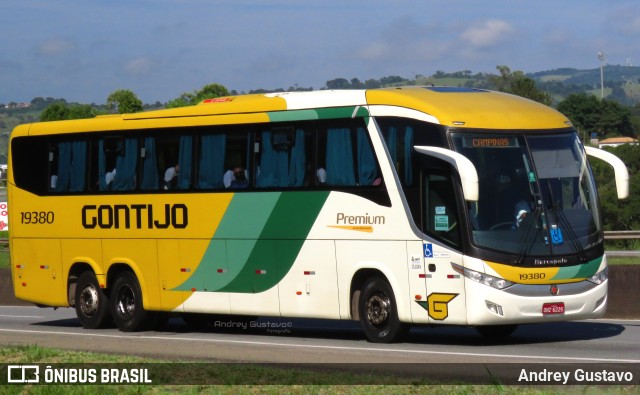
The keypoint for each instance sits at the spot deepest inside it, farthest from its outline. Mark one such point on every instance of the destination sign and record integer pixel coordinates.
(490, 142)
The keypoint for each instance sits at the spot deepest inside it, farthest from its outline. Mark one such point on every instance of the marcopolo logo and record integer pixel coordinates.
(139, 216)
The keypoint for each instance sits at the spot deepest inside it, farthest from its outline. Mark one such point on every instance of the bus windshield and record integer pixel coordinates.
(537, 196)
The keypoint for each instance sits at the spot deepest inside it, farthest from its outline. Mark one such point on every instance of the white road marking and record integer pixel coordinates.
(545, 358)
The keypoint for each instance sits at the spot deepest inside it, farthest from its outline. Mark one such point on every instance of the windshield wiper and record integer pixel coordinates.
(527, 241)
(563, 222)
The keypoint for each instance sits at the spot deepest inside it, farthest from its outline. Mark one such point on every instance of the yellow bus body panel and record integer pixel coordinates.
(482, 109)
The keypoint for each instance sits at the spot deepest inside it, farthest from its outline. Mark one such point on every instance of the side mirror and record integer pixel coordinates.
(464, 167)
(619, 168)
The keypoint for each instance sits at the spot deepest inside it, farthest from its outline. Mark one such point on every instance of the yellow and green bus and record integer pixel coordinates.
(394, 207)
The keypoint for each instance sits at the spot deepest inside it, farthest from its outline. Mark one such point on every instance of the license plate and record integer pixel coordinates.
(553, 308)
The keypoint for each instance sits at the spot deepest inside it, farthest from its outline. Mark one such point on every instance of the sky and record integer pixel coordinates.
(84, 50)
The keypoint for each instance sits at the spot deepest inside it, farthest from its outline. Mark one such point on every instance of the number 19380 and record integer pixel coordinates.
(36, 217)
(532, 276)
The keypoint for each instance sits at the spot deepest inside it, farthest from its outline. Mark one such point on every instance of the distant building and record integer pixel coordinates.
(617, 141)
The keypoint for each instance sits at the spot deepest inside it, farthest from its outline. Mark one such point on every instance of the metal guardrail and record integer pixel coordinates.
(622, 234)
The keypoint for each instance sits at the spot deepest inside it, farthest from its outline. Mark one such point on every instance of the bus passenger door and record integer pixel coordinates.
(417, 281)
(445, 301)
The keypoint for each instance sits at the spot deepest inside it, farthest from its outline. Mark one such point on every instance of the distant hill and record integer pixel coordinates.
(612, 73)
(621, 83)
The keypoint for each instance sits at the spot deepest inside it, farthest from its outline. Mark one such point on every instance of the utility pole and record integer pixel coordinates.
(603, 60)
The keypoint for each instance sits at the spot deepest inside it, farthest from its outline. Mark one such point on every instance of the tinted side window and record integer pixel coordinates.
(29, 162)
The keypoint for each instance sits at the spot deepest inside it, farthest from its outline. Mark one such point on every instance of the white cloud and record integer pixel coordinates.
(487, 33)
(55, 46)
(139, 65)
(375, 51)
(405, 40)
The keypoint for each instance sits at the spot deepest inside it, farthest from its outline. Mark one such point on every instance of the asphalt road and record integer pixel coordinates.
(324, 341)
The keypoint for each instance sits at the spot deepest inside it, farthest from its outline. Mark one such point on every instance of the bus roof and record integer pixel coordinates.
(451, 106)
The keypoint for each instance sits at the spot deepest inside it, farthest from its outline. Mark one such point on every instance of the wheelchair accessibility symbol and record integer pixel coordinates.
(428, 250)
(556, 235)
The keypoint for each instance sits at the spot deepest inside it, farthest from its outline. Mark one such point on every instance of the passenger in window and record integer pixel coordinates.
(109, 177)
(171, 177)
(235, 178)
(521, 211)
(322, 176)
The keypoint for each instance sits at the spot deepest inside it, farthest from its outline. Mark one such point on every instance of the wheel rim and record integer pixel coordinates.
(378, 308)
(89, 301)
(125, 302)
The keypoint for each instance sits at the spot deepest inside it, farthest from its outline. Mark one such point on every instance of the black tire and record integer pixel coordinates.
(126, 304)
(378, 312)
(91, 302)
(496, 332)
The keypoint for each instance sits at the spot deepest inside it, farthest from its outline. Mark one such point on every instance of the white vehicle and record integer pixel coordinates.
(414, 205)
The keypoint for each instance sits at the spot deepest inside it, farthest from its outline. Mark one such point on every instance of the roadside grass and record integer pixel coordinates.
(623, 260)
(4, 259)
(4, 254)
(236, 375)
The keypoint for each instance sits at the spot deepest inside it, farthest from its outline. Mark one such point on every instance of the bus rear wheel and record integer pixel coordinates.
(378, 312)
(91, 302)
(126, 304)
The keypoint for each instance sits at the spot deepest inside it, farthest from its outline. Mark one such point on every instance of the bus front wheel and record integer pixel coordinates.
(126, 304)
(91, 303)
(378, 312)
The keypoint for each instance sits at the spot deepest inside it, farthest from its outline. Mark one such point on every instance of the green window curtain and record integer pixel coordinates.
(64, 167)
(274, 164)
(102, 166)
(78, 166)
(150, 178)
(408, 153)
(367, 169)
(211, 166)
(298, 162)
(339, 161)
(184, 160)
(126, 162)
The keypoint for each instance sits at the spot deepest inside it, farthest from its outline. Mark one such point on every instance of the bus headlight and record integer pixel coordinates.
(482, 278)
(599, 277)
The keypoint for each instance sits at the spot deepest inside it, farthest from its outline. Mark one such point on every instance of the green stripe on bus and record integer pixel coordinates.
(295, 115)
(257, 241)
(280, 242)
(246, 215)
(589, 269)
(579, 271)
(319, 113)
(233, 241)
